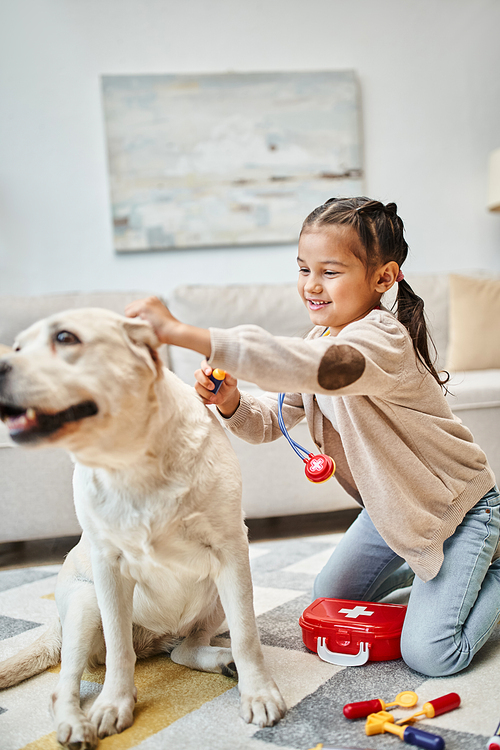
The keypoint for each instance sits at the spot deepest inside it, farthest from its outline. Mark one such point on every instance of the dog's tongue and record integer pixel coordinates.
(23, 422)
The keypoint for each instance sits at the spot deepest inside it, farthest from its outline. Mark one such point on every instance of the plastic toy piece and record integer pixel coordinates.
(344, 660)
(359, 710)
(436, 707)
(383, 721)
(217, 378)
(493, 742)
(319, 468)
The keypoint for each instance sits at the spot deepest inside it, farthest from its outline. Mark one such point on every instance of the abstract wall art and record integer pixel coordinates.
(227, 159)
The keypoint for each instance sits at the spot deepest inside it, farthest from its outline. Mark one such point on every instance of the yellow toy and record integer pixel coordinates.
(383, 721)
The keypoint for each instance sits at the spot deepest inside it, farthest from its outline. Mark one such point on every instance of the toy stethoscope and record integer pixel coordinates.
(319, 467)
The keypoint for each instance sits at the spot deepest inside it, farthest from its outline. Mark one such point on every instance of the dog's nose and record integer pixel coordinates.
(5, 368)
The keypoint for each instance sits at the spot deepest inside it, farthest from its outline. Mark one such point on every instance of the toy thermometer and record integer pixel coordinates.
(358, 710)
(436, 707)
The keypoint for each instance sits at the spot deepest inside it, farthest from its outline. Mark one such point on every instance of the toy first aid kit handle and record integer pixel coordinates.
(343, 660)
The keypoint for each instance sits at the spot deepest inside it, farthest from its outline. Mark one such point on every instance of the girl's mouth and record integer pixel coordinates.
(317, 304)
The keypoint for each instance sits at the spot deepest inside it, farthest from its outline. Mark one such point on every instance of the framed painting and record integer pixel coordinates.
(227, 159)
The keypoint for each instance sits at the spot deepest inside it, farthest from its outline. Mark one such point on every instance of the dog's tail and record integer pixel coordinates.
(43, 653)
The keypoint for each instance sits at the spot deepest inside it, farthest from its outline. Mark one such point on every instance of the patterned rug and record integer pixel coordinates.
(180, 709)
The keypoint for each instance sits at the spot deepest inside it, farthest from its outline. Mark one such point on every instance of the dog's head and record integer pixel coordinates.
(68, 375)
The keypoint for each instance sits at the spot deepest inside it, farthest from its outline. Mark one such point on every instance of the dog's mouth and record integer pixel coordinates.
(26, 425)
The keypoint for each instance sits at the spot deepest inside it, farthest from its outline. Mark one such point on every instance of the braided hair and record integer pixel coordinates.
(381, 233)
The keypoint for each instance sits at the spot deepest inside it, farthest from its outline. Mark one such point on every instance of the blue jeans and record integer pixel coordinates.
(450, 617)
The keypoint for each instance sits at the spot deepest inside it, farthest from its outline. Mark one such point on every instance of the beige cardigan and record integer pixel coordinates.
(399, 449)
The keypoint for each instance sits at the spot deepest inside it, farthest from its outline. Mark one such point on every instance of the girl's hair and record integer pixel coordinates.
(381, 231)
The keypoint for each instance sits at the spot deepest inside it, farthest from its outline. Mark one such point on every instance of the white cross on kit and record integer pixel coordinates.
(352, 614)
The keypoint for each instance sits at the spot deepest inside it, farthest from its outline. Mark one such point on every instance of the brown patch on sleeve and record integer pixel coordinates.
(341, 365)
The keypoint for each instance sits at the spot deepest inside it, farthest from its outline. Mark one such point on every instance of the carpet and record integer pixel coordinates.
(180, 709)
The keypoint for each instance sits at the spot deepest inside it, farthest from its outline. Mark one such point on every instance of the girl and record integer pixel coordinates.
(366, 383)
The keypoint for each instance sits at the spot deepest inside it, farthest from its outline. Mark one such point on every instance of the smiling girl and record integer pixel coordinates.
(366, 384)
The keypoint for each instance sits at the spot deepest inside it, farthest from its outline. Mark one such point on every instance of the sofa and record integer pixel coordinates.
(35, 484)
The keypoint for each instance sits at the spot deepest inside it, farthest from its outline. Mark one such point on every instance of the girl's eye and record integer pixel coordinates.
(330, 274)
(303, 270)
(67, 338)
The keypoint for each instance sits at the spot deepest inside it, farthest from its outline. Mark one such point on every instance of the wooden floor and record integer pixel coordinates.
(53, 551)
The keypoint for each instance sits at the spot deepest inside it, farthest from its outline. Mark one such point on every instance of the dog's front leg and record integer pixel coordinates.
(261, 700)
(112, 712)
(80, 620)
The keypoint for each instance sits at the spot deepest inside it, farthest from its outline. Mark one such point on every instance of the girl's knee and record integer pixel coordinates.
(433, 657)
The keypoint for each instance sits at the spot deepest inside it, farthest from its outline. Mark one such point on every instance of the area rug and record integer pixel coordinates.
(179, 709)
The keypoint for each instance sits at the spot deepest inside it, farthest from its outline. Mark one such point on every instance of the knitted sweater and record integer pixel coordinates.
(399, 449)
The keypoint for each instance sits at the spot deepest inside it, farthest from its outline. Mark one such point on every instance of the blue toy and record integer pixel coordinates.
(217, 378)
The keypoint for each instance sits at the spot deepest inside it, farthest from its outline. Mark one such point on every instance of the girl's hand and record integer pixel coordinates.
(157, 315)
(227, 398)
(168, 329)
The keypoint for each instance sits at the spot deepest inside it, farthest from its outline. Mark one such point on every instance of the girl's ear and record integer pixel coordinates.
(386, 276)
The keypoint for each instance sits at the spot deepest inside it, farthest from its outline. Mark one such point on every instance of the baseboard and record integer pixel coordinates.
(305, 524)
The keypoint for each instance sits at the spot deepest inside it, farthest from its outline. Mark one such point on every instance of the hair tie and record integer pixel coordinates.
(400, 276)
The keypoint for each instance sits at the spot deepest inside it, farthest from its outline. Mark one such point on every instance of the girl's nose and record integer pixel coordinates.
(313, 285)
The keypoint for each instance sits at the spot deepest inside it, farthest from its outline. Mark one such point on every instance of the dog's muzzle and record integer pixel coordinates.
(27, 425)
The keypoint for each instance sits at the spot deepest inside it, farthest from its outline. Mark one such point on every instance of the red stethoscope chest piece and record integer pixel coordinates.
(319, 468)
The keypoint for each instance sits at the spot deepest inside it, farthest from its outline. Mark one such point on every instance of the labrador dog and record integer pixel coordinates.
(157, 488)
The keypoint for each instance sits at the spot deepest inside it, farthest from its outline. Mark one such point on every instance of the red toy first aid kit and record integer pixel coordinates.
(350, 633)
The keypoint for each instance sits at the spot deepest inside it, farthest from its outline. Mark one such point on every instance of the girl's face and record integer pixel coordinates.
(334, 284)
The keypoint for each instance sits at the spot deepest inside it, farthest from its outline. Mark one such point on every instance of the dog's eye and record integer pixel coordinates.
(67, 338)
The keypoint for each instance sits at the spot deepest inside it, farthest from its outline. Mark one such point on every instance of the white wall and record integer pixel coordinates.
(430, 84)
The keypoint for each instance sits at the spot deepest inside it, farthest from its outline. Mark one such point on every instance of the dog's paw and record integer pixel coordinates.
(228, 668)
(264, 708)
(112, 716)
(79, 735)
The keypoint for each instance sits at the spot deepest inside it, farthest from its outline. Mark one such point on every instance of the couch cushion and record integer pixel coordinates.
(276, 307)
(474, 389)
(18, 312)
(474, 332)
(434, 290)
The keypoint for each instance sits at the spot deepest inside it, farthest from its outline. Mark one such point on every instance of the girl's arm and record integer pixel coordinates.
(370, 357)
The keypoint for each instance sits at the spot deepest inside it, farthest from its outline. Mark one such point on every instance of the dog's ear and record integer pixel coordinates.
(143, 341)
(141, 332)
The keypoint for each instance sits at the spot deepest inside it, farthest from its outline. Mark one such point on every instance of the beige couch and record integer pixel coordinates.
(35, 485)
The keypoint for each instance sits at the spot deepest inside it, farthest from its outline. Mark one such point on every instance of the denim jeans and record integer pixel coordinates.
(449, 617)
